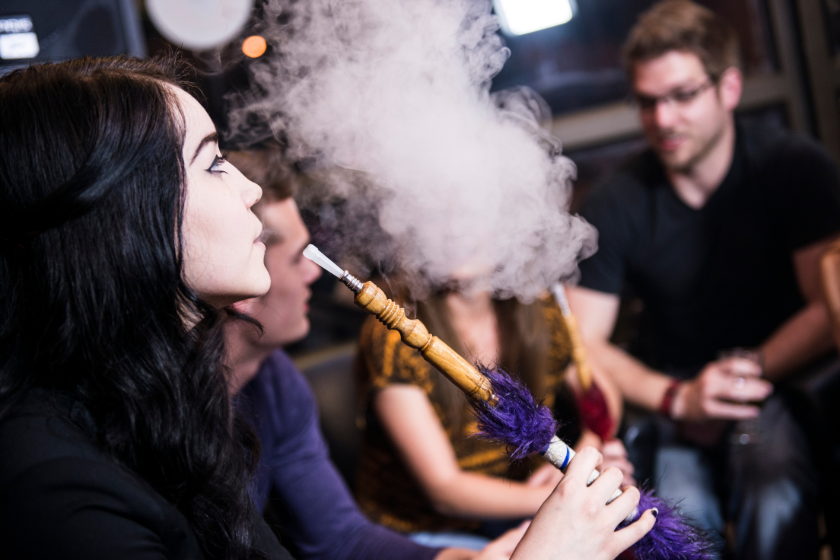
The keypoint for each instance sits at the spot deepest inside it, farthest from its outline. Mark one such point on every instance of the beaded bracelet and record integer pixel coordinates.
(668, 398)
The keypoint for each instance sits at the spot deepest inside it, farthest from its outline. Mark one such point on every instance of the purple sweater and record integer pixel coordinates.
(319, 514)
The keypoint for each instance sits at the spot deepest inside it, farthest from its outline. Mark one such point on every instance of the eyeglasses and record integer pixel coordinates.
(679, 97)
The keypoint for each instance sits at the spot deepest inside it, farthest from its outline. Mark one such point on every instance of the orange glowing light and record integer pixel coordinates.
(254, 46)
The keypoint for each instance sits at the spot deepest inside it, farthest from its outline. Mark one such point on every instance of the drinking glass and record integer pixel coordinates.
(745, 432)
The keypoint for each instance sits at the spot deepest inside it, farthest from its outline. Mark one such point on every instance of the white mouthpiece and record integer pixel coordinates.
(560, 295)
(313, 254)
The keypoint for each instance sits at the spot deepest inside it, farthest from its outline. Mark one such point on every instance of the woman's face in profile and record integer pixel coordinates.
(223, 261)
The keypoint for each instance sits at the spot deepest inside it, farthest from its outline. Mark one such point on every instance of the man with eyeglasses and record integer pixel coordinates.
(718, 227)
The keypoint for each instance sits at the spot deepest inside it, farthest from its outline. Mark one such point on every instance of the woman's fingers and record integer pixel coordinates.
(583, 464)
(575, 521)
(630, 535)
(606, 484)
(622, 506)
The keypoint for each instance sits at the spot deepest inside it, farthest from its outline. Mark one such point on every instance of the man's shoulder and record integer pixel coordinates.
(278, 362)
(280, 385)
(280, 371)
(771, 147)
(796, 180)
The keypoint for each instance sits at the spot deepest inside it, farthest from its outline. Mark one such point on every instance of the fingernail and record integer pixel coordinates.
(655, 512)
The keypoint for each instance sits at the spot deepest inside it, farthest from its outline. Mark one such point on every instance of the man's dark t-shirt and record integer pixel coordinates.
(721, 276)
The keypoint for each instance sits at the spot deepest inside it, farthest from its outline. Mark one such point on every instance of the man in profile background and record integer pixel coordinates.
(718, 227)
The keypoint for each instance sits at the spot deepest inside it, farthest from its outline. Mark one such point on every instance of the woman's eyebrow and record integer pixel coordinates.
(210, 138)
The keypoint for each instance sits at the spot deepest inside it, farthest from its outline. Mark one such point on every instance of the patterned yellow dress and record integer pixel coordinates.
(386, 490)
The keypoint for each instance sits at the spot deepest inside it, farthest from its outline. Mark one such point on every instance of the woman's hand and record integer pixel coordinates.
(575, 523)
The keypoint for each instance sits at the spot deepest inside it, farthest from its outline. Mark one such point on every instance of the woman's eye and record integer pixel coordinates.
(218, 161)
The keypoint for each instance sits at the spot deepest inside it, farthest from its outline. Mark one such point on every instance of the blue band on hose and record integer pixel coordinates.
(566, 460)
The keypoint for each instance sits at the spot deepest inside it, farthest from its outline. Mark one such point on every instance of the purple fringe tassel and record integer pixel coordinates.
(527, 427)
(517, 420)
(671, 537)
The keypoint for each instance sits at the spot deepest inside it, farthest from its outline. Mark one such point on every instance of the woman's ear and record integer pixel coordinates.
(731, 86)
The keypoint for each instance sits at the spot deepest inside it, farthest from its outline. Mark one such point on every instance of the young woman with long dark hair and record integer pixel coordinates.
(124, 237)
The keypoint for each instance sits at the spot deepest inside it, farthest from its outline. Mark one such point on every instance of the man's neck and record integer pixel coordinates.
(697, 183)
(243, 359)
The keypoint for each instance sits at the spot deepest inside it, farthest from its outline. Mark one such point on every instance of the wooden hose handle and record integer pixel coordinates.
(584, 369)
(414, 333)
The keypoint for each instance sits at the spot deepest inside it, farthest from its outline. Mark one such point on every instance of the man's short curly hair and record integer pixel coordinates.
(681, 25)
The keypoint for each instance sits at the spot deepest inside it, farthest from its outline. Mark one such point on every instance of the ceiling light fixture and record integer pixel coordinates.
(519, 17)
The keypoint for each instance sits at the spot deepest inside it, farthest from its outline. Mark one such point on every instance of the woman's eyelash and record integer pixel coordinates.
(217, 161)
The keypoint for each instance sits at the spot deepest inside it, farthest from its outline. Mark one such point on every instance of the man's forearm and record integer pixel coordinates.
(638, 383)
(801, 339)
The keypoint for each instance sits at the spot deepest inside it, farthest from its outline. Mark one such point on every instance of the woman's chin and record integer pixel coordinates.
(262, 284)
(254, 289)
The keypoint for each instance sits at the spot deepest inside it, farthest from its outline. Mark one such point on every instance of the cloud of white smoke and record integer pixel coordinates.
(399, 90)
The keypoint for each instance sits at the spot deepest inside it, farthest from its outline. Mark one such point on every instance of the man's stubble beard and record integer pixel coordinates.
(697, 159)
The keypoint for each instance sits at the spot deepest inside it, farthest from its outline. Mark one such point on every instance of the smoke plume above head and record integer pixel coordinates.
(465, 183)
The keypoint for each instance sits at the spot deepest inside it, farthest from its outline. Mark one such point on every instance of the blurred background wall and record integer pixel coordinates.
(791, 59)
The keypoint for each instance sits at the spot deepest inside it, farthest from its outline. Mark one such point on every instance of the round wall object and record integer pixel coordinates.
(199, 24)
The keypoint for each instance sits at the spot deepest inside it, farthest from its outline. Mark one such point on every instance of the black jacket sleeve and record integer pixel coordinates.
(73, 508)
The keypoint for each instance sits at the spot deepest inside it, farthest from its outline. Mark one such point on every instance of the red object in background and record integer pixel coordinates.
(594, 412)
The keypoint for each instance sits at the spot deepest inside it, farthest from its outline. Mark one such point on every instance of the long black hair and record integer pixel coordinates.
(93, 304)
